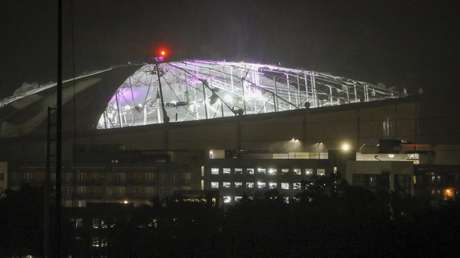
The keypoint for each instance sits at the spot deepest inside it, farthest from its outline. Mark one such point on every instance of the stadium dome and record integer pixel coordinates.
(202, 89)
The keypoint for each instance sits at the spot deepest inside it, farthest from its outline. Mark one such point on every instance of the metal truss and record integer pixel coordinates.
(201, 89)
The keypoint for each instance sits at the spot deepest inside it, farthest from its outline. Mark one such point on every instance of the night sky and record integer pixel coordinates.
(408, 44)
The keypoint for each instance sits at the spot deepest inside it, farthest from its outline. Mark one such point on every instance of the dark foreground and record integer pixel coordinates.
(346, 222)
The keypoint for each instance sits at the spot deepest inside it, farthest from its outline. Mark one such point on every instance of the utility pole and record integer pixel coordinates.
(59, 131)
(50, 163)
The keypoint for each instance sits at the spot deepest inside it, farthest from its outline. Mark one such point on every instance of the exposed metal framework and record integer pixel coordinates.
(201, 89)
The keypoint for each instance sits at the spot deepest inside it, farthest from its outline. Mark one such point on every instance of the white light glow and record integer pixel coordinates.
(228, 99)
(345, 147)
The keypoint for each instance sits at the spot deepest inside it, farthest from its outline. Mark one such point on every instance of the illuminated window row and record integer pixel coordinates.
(268, 171)
(228, 199)
(257, 185)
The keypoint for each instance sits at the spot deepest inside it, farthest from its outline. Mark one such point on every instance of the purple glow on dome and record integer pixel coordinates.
(128, 95)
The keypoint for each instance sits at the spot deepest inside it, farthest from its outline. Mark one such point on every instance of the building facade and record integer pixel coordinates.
(140, 184)
(252, 178)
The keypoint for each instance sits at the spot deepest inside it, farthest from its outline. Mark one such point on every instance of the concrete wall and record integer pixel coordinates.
(356, 123)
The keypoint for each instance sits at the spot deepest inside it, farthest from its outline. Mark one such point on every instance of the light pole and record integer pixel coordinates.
(58, 224)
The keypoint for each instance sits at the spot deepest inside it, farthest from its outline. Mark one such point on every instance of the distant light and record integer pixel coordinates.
(345, 147)
(162, 53)
(391, 156)
(125, 201)
(448, 193)
(295, 140)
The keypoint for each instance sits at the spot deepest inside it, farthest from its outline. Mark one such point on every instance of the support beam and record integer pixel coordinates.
(204, 101)
(165, 114)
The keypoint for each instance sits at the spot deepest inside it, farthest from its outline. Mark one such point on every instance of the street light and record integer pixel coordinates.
(345, 147)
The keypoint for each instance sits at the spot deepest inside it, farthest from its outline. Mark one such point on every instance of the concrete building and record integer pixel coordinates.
(422, 172)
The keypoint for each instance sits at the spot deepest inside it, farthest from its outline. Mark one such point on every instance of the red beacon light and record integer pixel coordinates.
(161, 54)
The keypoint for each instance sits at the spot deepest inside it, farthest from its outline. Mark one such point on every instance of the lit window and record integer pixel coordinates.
(413, 156)
(78, 222)
(272, 185)
(297, 171)
(226, 171)
(250, 171)
(372, 180)
(321, 172)
(238, 198)
(272, 171)
(226, 184)
(103, 242)
(261, 185)
(261, 170)
(238, 171)
(286, 199)
(96, 242)
(285, 170)
(214, 185)
(285, 186)
(81, 203)
(227, 199)
(211, 154)
(96, 223)
(214, 171)
(308, 171)
(296, 185)
(238, 184)
(249, 185)
(435, 178)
